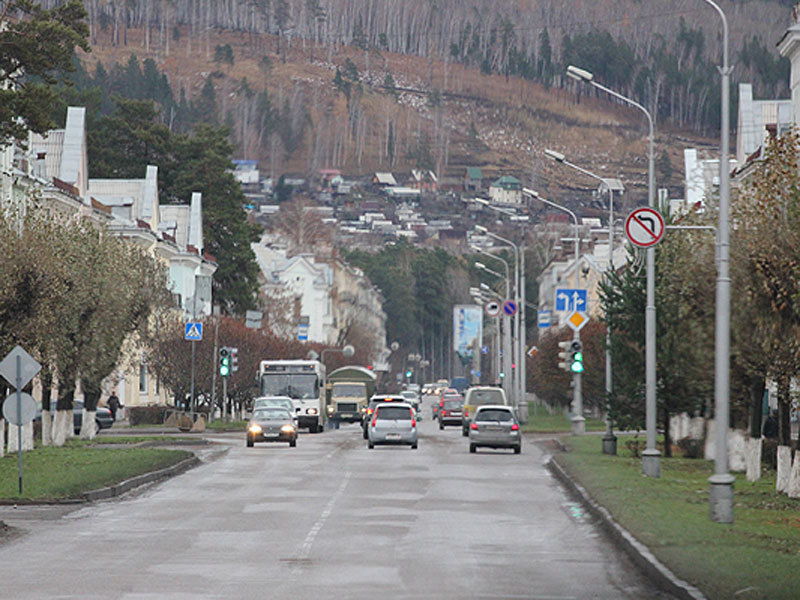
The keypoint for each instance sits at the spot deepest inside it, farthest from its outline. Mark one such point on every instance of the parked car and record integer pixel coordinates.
(480, 396)
(272, 424)
(103, 418)
(280, 401)
(393, 423)
(450, 412)
(494, 426)
(373, 402)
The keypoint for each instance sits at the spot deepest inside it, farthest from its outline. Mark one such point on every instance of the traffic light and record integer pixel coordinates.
(576, 362)
(565, 356)
(234, 359)
(408, 374)
(224, 361)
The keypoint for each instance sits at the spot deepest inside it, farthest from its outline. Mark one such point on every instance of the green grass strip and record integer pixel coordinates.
(756, 557)
(68, 472)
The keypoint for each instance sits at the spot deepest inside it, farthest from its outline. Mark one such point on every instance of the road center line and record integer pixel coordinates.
(305, 549)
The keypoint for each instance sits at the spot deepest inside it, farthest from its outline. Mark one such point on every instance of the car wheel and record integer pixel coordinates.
(413, 446)
(441, 425)
(472, 448)
(250, 443)
(517, 449)
(366, 435)
(370, 445)
(464, 431)
(293, 443)
(97, 426)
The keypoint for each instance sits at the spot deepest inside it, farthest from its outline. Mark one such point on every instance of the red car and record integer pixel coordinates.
(448, 394)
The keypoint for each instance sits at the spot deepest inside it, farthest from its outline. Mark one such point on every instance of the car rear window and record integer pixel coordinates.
(452, 404)
(396, 413)
(493, 415)
(481, 397)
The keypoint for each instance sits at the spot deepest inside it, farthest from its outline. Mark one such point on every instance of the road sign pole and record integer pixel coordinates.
(19, 426)
(191, 394)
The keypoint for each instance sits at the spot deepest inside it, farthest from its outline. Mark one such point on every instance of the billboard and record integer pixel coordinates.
(467, 330)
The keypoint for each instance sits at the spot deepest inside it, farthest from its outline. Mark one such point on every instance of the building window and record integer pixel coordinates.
(142, 378)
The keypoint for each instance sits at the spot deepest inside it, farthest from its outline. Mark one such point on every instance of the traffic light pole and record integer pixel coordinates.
(578, 421)
(224, 398)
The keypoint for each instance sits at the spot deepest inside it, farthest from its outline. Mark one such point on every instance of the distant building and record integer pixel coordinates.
(424, 180)
(506, 190)
(384, 180)
(757, 118)
(473, 179)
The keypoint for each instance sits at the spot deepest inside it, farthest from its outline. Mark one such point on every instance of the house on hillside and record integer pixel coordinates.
(473, 179)
(384, 180)
(424, 180)
(506, 190)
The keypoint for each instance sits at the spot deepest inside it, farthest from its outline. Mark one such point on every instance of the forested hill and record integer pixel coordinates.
(365, 85)
(661, 51)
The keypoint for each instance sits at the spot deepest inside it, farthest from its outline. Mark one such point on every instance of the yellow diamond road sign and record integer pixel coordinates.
(577, 320)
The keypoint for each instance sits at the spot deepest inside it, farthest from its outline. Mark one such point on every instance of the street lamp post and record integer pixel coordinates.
(651, 457)
(578, 420)
(515, 372)
(721, 497)
(506, 328)
(479, 296)
(612, 185)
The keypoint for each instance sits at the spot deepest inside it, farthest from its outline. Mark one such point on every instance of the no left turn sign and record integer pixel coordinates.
(644, 227)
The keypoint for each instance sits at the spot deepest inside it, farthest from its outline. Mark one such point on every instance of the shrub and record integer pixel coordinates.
(147, 415)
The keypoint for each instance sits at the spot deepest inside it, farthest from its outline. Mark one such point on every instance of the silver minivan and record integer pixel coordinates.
(393, 423)
(494, 426)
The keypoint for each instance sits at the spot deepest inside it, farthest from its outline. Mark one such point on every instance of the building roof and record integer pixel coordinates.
(385, 179)
(507, 182)
(474, 173)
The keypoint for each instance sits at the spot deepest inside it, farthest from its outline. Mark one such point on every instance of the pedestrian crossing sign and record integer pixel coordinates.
(194, 332)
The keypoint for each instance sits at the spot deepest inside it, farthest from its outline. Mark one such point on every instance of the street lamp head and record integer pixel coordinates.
(480, 265)
(481, 201)
(556, 156)
(394, 346)
(348, 351)
(579, 74)
(485, 287)
(531, 192)
(312, 355)
(481, 229)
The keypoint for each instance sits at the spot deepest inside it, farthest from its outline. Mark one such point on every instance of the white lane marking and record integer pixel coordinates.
(305, 549)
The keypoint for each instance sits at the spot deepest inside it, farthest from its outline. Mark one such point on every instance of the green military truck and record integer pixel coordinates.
(348, 392)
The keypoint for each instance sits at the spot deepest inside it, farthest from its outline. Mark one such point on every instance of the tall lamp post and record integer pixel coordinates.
(721, 497)
(612, 185)
(507, 337)
(651, 457)
(515, 359)
(578, 420)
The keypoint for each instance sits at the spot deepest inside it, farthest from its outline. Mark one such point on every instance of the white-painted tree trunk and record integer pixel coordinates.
(2, 438)
(794, 479)
(13, 437)
(784, 468)
(61, 426)
(47, 428)
(753, 458)
(737, 450)
(711, 429)
(88, 426)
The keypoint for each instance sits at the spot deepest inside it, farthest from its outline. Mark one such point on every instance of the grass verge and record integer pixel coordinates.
(68, 472)
(219, 425)
(756, 557)
(541, 421)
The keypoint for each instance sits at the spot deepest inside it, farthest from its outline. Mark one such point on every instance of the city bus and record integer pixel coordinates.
(301, 380)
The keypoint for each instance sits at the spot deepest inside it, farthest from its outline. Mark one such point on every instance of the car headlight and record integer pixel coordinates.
(287, 428)
(255, 428)
(311, 411)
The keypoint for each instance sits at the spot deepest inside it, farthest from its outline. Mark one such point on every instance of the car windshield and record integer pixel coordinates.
(271, 414)
(452, 405)
(395, 413)
(348, 390)
(264, 402)
(299, 386)
(479, 397)
(493, 415)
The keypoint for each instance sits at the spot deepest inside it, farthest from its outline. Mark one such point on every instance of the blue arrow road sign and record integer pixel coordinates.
(194, 332)
(571, 300)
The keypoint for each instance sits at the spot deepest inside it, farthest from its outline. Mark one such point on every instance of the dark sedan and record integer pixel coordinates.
(103, 418)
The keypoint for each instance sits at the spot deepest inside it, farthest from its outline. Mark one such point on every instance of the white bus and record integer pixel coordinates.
(301, 380)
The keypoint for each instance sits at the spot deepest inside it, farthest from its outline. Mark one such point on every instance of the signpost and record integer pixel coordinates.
(577, 320)
(510, 308)
(544, 317)
(18, 368)
(492, 308)
(644, 227)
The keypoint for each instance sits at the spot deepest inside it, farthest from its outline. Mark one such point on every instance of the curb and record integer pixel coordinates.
(129, 484)
(639, 553)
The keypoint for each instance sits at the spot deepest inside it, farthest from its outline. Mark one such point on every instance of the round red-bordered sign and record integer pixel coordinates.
(644, 227)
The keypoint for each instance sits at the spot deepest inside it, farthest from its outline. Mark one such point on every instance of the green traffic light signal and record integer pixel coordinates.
(224, 362)
(576, 365)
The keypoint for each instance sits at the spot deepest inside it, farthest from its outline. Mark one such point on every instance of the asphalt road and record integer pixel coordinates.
(329, 519)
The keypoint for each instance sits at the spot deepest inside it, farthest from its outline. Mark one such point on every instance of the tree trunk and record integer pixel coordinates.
(2, 437)
(784, 410)
(667, 436)
(63, 423)
(91, 396)
(757, 386)
(13, 437)
(47, 394)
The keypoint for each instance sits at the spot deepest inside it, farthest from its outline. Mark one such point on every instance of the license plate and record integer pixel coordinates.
(455, 414)
(346, 415)
(392, 436)
(271, 435)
